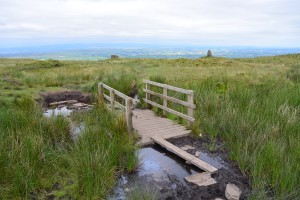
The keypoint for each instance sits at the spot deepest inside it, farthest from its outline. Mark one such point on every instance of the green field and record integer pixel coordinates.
(252, 104)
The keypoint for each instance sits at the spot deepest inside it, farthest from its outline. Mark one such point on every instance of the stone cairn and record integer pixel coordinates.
(209, 53)
(114, 56)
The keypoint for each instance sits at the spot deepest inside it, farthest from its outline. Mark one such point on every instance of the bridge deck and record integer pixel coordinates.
(148, 125)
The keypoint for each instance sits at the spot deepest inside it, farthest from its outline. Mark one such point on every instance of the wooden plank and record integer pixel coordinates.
(160, 128)
(129, 117)
(120, 94)
(188, 157)
(177, 89)
(106, 97)
(184, 103)
(100, 93)
(191, 119)
(162, 133)
(148, 95)
(165, 101)
(112, 99)
(201, 179)
(120, 105)
(117, 103)
(167, 134)
(190, 110)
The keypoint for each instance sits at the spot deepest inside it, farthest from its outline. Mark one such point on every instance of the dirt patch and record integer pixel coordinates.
(228, 171)
(50, 97)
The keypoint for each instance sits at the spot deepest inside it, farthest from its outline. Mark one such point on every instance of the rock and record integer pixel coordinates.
(188, 162)
(174, 186)
(209, 53)
(232, 192)
(184, 148)
(127, 190)
(187, 147)
(114, 56)
(201, 179)
(197, 153)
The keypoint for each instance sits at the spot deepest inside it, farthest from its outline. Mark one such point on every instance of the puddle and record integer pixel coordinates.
(64, 111)
(157, 163)
(157, 169)
(76, 130)
(215, 161)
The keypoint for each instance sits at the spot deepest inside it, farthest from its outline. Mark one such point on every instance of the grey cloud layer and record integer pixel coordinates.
(228, 22)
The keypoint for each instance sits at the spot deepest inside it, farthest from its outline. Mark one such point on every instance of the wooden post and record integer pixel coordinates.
(112, 99)
(148, 95)
(129, 117)
(100, 93)
(165, 101)
(190, 110)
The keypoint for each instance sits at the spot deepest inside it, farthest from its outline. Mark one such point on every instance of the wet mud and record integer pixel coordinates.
(160, 174)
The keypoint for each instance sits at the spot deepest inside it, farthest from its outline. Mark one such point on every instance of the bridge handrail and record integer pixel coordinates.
(112, 100)
(189, 103)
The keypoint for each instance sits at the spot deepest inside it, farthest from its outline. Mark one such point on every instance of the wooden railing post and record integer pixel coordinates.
(100, 93)
(129, 116)
(112, 99)
(148, 95)
(165, 101)
(190, 110)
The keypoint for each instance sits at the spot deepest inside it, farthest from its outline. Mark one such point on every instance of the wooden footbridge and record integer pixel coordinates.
(152, 128)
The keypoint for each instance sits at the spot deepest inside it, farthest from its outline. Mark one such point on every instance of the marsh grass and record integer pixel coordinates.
(252, 104)
(37, 153)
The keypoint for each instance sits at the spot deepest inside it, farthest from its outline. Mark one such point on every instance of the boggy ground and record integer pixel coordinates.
(214, 153)
(160, 174)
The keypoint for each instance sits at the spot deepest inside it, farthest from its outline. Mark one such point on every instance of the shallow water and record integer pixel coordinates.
(156, 166)
(216, 161)
(64, 111)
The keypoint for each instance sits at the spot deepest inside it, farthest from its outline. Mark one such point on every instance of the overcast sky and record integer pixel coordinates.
(199, 22)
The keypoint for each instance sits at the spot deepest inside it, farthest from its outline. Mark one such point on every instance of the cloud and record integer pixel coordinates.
(216, 22)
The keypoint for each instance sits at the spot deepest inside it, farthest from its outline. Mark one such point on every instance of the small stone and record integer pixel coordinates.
(232, 192)
(187, 147)
(190, 147)
(184, 148)
(127, 190)
(197, 153)
(174, 186)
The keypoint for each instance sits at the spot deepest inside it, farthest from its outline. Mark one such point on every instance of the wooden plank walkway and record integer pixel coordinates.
(188, 157)
(148, 125)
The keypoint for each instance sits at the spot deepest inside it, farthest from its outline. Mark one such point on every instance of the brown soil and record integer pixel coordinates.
(228, 170)
(50, 97)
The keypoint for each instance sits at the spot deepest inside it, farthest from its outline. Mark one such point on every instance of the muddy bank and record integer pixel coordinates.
(161, 174)
(217, 156)
(50, 97)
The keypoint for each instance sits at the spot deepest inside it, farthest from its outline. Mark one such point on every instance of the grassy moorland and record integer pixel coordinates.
(252, 104)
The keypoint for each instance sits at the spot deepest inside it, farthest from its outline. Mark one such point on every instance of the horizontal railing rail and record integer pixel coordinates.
(189, 103)
(113, 94)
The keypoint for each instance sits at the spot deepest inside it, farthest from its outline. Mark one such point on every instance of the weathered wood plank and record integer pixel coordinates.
(191, 110)
(165, 97)
(120, 94)
(177, 89)
(191, 119)
(129, 117)
(188, 157)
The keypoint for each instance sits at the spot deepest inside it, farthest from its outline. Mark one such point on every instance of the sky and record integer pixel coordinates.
(265, 23)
